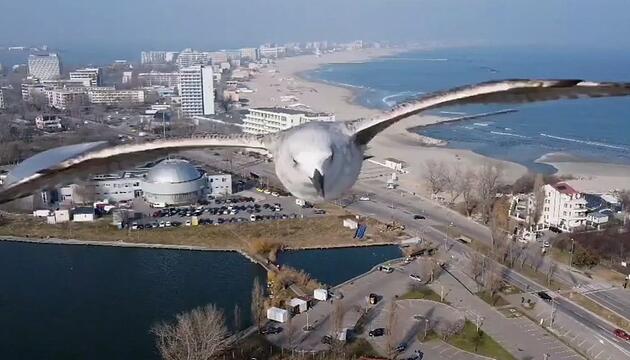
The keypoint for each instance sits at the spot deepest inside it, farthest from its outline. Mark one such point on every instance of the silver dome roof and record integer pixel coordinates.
(49, 158)
(172, 171)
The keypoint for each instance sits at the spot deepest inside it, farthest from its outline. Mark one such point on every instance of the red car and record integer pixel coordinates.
(622, 334)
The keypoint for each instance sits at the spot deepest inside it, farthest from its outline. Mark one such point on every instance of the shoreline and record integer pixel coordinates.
(124, 244)
(401, 139)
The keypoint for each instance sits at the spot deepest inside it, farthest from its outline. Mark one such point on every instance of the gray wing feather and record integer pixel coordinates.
(103, 160)
(501, 92)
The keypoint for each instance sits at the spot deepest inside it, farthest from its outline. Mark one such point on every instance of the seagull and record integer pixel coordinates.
(315, 161)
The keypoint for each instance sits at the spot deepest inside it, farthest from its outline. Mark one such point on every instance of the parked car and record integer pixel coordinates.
(401, 347)
(386, 269)
(327, 339)
(364, 198)
(376, 332)
(543, 295)
(270, 330)
(419, 217)
(555, 229)
(319, 211)
(622, 334)
(415, 277)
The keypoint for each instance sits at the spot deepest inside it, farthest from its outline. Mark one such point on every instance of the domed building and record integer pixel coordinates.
(173, 182)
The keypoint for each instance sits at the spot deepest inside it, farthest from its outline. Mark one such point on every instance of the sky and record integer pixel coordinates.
(214, 24)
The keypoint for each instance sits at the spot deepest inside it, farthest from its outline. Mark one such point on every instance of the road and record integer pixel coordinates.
(590, 321)
(406, 204)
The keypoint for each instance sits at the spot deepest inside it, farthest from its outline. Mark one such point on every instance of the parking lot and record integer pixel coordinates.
(245, 207)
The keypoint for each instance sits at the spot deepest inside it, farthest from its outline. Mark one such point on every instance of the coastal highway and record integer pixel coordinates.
(615, 299)
(589, 324)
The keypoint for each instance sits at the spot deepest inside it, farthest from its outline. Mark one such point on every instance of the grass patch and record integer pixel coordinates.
(496, 300)
(478, 343)
(600, 310)
(326, 231)
(423, 293)
(540, 278)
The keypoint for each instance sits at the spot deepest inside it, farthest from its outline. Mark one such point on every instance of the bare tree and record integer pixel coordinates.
(551, 270)
(196, 335)
(488, 177)
(84, 193)
(539, 200)
(453, 185)
(258, 303)
(466, 188)
(494, 281)
(537, 260)
(477, 263)
(435, 176)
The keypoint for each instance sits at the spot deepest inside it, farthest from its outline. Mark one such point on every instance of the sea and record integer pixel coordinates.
(586, 130)
(98, 302)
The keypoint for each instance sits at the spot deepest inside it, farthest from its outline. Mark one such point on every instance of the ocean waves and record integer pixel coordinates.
(587, 142)
(509, 134)
(389, 100)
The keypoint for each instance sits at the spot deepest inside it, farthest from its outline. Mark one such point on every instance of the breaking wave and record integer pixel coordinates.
(404, 94)
(509, 134)
(587, 142)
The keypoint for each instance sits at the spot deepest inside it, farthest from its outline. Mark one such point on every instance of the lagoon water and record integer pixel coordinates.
(96, 302)
(594, 129)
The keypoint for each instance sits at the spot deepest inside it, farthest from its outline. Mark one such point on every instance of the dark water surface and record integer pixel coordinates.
(94, 302)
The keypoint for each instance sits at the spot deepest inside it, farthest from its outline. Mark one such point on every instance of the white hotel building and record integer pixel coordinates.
(273, 119)
(91, 76)
(564, 208)
(44, 67)
(196, 90)
(110, 96)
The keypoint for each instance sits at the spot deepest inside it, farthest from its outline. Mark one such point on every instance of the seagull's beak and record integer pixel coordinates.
(318, 182)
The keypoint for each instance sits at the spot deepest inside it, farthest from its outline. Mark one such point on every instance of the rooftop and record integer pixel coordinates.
(83, 210)
(395, 160)
(564, 188)
(288, 111)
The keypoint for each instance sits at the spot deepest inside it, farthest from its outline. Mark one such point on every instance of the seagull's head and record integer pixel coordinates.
(313, 163)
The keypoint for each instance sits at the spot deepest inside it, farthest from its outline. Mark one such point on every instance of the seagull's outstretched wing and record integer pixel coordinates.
(64, 165)
(505, 91)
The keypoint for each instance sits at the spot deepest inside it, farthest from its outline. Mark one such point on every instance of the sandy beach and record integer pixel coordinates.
(283, 79)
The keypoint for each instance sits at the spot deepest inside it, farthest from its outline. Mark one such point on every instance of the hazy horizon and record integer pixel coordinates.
(161, 24)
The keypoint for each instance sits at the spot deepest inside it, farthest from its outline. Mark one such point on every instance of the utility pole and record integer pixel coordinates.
(572, 251)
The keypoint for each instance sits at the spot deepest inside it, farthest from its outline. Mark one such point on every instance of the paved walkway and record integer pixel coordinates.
(521, 337)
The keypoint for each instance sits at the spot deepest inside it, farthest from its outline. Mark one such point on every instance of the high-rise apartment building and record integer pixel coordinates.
(196, 90)
(1, 100)
(153, 57)
(190, 57)
(44, 67)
